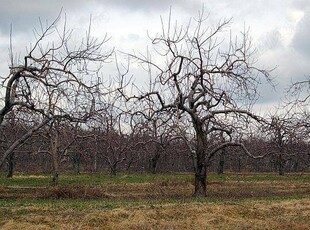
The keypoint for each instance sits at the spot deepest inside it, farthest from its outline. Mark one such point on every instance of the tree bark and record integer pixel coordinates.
(200, 164)
(200, 181)
(11, 165)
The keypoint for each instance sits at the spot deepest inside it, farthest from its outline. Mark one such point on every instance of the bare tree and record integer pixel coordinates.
(158, 130)
(301, 140)
(55, 81)
(287, 136)
(201, 77)
(280, 130)
(120, 141)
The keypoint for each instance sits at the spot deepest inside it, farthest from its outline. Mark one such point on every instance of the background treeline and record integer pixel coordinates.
(106, 149)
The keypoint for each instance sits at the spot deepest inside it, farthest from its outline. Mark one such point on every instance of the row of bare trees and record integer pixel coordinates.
(59, 104)
(110, 150)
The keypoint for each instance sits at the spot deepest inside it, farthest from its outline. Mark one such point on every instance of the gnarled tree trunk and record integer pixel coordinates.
(200, 181)
(200, 165)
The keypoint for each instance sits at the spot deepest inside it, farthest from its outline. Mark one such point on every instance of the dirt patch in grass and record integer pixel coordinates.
(157, 191)
(239, 190)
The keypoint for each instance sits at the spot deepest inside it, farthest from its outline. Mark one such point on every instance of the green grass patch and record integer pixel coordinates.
(37, 180)
(260, 177)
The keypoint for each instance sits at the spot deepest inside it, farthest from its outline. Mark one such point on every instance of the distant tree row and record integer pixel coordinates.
(108, 150)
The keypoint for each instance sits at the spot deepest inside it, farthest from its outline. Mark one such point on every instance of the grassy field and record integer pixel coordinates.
(162, 201)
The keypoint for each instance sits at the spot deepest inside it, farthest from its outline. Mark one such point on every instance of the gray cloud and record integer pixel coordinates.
(20, 14)
(301, 40)
(300, 4)
(24, 15)
(152, 6)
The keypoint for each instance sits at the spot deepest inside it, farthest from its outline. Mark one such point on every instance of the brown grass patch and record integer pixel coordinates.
(290, 214)
(251, 215)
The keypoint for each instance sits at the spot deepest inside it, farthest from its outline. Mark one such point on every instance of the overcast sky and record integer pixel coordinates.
(279, 28)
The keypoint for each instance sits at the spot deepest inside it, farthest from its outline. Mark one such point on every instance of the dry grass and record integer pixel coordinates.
(231, 204)
(290, 214)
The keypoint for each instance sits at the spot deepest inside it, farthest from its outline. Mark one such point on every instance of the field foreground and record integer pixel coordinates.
(235, 201)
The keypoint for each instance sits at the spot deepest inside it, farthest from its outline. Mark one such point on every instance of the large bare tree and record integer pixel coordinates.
(205, 75)
(58, 78)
